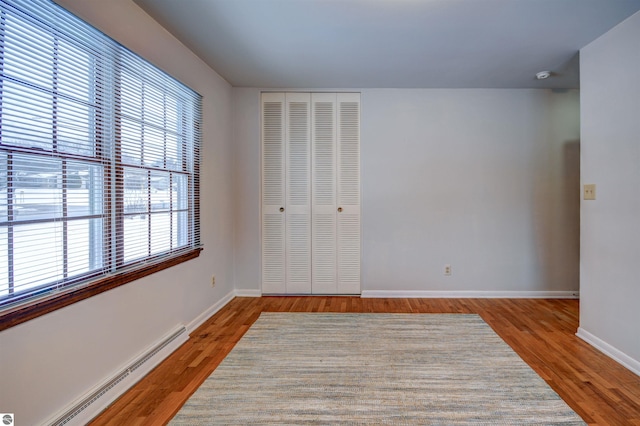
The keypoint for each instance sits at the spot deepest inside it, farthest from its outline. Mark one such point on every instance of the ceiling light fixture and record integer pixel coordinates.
(543, 74)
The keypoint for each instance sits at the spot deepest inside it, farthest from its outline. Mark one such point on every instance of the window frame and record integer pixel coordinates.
(118, 271)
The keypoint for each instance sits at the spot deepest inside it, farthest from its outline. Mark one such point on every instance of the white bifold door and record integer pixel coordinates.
(311, 193)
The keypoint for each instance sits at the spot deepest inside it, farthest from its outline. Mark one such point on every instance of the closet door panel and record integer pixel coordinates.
(323, 171)
(348, 193)
(311, 193)
(273, 193)
(298, 193)
(349, 253)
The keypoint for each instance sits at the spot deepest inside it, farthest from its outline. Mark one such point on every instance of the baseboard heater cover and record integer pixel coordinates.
(86, 402)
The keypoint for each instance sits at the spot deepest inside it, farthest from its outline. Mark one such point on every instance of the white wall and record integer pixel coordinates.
(485, 180)
(48, 362)
(246, 180)
(610, 233)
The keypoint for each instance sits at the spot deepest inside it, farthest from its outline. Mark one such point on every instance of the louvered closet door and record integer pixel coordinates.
(324, 208)
(348, 191)
(273, 193)
(311, 193)
(298, 193)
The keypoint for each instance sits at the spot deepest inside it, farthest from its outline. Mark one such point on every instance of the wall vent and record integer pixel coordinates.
(95, 396)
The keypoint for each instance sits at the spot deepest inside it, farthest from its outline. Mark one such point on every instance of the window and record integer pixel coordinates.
(99, 161)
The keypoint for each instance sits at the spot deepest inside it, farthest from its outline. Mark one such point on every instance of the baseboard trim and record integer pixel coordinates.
(471, 294)
(610, 351)
(248, 293)
(213, 309)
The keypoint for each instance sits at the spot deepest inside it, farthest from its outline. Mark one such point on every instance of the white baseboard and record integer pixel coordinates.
(248, 293)
(610, 351)
(471, 294)
(200, 319)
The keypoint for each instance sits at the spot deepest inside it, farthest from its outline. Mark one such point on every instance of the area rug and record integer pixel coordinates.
(405, 369)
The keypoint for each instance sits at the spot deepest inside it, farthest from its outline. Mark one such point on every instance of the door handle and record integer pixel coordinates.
(281, 209)
(339, 209)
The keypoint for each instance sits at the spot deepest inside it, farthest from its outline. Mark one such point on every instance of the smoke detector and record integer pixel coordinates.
(543, 74)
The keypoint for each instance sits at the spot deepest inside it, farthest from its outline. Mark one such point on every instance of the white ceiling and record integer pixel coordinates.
(390, 43)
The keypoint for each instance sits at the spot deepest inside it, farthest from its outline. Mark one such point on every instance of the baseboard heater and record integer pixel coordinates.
(95, 396)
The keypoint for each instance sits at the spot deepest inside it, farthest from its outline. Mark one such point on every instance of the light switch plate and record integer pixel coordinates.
(590, 191)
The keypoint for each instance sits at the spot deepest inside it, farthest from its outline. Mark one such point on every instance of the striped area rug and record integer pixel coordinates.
(405, 369)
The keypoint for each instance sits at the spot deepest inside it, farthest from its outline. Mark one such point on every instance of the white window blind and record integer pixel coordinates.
(99, 156)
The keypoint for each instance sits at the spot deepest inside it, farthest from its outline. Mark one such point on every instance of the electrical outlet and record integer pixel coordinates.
(447, 269)
(590, 191)
(213, 280)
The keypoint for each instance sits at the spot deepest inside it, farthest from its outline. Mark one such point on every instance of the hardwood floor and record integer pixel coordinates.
(541, 331)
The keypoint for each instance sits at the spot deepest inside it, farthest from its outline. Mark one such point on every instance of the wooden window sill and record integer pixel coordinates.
(23, 313)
